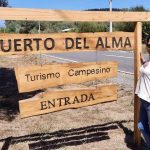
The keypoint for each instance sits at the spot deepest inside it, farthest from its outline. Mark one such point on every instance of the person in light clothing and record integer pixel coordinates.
(143, 92)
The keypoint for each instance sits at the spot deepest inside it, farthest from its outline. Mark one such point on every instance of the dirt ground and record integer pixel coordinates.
(107, 126)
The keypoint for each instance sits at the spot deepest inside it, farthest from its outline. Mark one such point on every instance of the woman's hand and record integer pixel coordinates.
(143, 62)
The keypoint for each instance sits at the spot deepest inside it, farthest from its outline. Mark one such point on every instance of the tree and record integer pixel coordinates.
(3, 3)
(91, 27)
(128, 26)
(138, 8)
(145, 30)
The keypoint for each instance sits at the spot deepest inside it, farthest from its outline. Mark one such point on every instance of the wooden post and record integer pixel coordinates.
(137, 64)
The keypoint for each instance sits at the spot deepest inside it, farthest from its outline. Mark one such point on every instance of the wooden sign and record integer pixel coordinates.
(15, 44)
(60, 100)
(69, 15)
(40, 77)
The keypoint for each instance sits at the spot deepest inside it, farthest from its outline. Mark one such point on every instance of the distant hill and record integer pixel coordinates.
(105, 9)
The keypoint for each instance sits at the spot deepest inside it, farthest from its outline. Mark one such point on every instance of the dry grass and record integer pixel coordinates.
(107, 126)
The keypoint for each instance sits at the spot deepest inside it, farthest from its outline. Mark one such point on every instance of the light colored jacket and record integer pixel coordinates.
(143, 84)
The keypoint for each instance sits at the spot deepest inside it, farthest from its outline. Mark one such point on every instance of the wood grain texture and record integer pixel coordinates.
(60, 100)
(39, 77)
(16, 44)
(137, 64)
(66, 15)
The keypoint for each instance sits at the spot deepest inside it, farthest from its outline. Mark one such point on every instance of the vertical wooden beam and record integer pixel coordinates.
(137, 64)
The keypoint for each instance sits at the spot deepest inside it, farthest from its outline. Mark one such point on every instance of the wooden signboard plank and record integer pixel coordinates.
(15, 44)
(67, 15)
(40, 77)
(137, 64)
(60, 100)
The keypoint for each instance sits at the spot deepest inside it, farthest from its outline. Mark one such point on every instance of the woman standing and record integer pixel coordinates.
(143, 92)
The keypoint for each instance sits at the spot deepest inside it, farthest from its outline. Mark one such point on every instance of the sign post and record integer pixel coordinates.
(137, 63)
(66, 99)
(39, 77)
(30, 44)
(23, 44)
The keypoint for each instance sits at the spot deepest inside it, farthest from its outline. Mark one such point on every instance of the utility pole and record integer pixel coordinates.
(110, 9)
(39, 30)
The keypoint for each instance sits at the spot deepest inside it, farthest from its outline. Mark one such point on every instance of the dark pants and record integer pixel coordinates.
(144, 121)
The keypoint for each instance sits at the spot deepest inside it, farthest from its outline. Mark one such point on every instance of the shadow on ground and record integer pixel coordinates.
(72, 137)
(9, 95)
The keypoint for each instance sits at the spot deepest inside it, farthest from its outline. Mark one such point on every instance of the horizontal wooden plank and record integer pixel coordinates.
(67, 15)
(15, 44)
(39, 77)
(60, 100)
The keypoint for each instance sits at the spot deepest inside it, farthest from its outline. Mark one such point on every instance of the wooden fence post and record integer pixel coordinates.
(137, 64)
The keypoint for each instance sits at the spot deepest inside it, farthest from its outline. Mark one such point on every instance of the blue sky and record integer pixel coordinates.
(77, 4)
